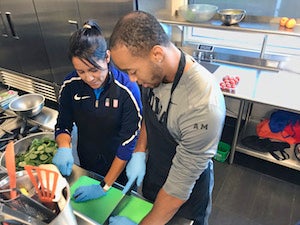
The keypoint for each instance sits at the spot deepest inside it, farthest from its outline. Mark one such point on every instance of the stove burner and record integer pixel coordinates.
(18, 133)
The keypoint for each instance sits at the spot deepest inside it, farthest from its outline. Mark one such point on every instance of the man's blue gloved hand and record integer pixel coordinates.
(85, 193)
(118, 220)
(135, 169)
(64, 160)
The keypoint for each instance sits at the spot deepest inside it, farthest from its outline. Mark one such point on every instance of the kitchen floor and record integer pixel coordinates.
(255, 192)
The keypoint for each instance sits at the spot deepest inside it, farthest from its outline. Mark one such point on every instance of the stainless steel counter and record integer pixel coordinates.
(46, 118)
(277, 89)
(273, 88)
(78, 172)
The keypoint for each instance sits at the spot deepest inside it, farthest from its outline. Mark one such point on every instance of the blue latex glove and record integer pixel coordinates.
(135, 169)
(64, 160)
(85, 193)
(118, 220)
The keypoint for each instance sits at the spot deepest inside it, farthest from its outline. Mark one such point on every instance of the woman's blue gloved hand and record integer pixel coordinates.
(64, 160)
(85, 193)
(135, 169)
(117, 220)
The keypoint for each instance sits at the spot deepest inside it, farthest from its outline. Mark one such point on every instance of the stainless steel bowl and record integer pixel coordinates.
(231, 16)
(21, 146)
(27, 105)
(197, 12)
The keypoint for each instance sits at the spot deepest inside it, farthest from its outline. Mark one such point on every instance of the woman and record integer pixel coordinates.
(106, 108)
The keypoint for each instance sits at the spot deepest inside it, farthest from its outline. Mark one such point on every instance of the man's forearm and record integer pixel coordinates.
(164, 208)
(141, 144)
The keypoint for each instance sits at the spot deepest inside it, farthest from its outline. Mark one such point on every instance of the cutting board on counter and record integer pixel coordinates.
(136, 209)
(97, 209)
(100, 209)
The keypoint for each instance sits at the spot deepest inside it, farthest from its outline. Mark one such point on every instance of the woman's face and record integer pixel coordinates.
(90, 74)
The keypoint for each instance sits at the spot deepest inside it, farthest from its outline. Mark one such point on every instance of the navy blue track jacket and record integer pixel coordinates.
(107, 127)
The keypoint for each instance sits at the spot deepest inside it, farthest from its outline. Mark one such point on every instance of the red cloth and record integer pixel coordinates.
(290, 134)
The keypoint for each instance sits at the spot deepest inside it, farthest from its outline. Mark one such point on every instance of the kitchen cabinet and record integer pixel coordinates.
(35, 38)
(8, 56)
(21, 41)
(58, 20)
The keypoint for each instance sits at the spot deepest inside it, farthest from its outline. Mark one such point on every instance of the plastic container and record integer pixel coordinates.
(223, 152)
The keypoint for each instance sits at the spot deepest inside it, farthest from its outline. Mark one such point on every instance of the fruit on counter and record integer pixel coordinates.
(229, 83)
(283, 21)
(41, 151)
(287, 22)
(291, 23)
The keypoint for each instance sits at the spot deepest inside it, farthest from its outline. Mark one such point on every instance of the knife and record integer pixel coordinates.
(122, 202)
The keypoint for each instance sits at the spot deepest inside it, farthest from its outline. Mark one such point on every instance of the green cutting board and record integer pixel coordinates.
(97, 209)
(136, 209)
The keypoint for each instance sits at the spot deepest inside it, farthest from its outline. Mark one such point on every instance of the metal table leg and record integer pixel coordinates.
(236, 131)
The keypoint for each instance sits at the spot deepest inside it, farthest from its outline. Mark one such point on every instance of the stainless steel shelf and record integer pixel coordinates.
(254, 24)
(250, 129)
(290, 163)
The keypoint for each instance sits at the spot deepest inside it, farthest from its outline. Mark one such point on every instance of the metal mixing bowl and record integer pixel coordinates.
(22, 145)
(197, 12)
(27, 105)
(231, 16)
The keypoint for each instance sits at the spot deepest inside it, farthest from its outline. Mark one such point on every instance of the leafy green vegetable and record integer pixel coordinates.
(41, 151)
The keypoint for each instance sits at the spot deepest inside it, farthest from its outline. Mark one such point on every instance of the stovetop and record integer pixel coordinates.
(13, 127)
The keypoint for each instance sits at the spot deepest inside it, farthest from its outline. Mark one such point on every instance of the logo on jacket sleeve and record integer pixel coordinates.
(78, 98)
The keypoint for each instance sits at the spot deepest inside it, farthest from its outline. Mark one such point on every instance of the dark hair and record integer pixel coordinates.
(88, 43)
(139, 31)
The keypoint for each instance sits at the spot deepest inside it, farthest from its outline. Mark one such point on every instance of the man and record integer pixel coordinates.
(184, 113)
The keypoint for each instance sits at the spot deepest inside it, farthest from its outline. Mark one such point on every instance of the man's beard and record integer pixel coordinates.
(157, 75)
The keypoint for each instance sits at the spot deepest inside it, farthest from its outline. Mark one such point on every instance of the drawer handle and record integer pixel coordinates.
(74, 22)
(4, 32)
(11, 25)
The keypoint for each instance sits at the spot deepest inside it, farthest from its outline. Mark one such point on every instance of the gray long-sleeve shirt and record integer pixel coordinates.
(195, 120)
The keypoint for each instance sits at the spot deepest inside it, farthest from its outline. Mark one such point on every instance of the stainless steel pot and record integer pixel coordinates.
(64, 217)
(27, 105)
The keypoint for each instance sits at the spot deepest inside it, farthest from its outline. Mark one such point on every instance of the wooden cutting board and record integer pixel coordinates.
(97, 209)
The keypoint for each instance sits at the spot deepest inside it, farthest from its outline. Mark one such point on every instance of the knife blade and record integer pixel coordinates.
(122, 203)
